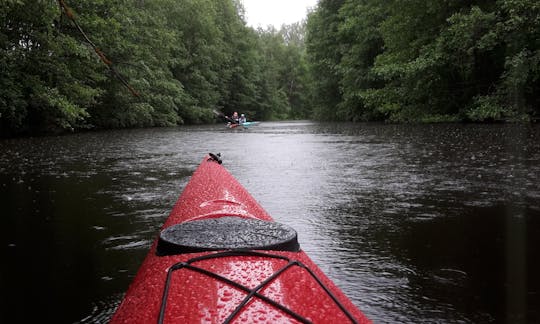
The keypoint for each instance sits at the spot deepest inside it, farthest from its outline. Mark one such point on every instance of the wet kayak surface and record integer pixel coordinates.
(248, 268)
(415, 223)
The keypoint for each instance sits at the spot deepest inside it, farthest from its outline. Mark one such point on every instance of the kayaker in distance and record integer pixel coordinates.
(232, 121)
(242, 119)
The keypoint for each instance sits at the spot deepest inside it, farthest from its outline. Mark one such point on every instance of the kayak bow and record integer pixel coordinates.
(220, 258)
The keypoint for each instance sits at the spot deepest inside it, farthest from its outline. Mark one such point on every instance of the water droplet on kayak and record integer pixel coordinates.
(225, 299)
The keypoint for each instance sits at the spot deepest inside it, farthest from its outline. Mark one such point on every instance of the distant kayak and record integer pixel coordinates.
(244, 125)
(221, 258)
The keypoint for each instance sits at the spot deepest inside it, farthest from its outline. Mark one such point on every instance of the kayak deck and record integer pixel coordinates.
(267, 283)
(244, 298)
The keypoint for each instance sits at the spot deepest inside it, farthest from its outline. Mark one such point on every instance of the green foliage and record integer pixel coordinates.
(324, 55)
(400, 61)
(486, 108)
(283, 75)
(41, 70)
(426, 60)
(185, 59)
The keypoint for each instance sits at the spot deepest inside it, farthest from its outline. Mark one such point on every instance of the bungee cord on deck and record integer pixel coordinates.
(99, 53)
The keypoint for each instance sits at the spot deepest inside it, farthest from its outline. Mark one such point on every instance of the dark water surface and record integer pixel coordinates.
(429, 223)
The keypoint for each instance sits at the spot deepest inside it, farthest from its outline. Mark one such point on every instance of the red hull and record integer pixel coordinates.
(237, 287)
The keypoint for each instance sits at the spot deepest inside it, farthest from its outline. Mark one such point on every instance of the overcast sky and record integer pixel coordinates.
(276, 12)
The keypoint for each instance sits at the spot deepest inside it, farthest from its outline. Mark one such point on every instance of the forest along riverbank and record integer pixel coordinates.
(67, 67)
(416, 223)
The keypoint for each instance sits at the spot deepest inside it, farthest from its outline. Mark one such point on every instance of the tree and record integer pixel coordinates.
(361, 43)
(425, 60)
(324, 58)
(41, 84)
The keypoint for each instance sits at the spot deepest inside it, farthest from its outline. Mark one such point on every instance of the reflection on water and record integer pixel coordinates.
(424, 223)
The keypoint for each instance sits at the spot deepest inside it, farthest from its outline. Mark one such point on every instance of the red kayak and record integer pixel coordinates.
(220, 258)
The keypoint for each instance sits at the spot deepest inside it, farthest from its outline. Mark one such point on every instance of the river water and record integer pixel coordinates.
(416, 223)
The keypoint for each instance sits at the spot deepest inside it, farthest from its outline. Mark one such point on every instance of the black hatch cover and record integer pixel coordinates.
(227, 233)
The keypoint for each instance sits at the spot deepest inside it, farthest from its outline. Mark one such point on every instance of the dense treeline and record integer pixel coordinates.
(399, 61)
(425, 60)
(186, 60)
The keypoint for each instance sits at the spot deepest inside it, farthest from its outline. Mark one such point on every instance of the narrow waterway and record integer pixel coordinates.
(416, 223)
